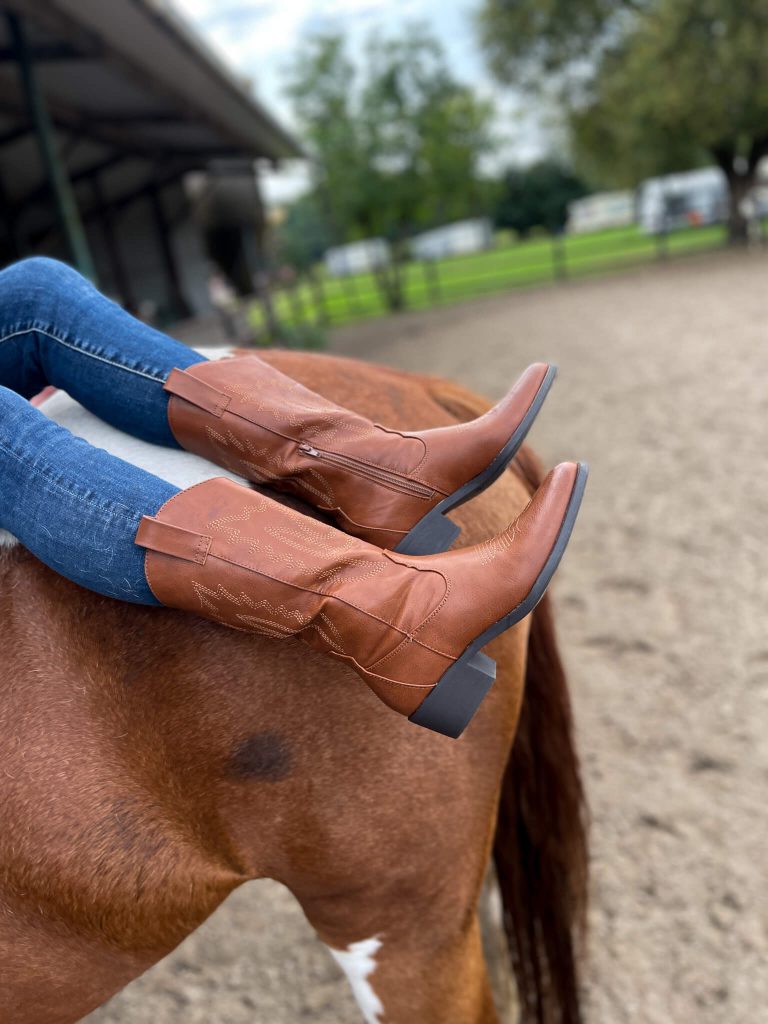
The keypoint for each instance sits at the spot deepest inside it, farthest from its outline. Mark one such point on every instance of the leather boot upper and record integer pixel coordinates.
(241, 559)
(376, 483)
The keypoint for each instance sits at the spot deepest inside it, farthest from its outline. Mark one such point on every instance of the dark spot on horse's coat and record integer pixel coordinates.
(262, 756)
(707, 763)
(653, 821)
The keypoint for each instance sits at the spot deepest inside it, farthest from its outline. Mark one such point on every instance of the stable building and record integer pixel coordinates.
(129, 149)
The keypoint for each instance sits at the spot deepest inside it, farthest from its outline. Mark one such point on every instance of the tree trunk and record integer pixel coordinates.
(389, 281)
(739, 186)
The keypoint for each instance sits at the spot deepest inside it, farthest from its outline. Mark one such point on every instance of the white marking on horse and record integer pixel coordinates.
(177, 467)
(358, 963)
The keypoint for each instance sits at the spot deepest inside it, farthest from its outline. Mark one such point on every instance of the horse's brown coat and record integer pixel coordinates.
(151, 762)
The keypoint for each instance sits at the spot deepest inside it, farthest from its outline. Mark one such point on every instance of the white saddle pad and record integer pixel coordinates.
(177, 467)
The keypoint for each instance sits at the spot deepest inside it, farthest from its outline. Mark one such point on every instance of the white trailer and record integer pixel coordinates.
(357, 257)
(600, 211)
(680, 200)
(457, 239)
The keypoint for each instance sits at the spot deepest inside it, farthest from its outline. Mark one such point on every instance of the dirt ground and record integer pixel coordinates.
(662, 601)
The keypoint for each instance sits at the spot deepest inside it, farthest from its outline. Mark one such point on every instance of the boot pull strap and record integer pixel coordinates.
(172, 540)
(188, 387)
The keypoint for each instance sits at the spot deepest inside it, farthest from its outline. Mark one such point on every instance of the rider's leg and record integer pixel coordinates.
(75, 507)
(56, 328)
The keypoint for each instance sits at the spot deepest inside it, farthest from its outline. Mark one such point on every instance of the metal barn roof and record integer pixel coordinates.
(135, 96)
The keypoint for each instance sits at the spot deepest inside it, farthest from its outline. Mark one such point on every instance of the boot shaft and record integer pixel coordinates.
(376, 482)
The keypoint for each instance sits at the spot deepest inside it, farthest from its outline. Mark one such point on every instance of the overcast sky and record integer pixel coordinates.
(258, 37)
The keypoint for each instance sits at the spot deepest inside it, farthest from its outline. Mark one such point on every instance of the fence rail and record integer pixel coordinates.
(313, 302)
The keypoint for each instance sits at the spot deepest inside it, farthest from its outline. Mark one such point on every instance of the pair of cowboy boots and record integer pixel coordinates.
(385, 595)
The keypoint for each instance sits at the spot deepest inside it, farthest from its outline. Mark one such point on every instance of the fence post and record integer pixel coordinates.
(294, 298)
(662, 236)
(318, 294)
(263, 285)
(432, 278)
(349, 287)
(559, 265)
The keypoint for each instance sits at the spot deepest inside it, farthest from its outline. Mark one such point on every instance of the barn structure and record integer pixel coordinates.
(129, 149)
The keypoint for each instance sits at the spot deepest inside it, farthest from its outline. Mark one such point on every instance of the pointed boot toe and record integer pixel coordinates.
(486, 445)
(502, 580)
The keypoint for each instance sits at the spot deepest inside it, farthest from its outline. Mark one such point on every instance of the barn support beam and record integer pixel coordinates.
(118, 205)
(179, 304)
(108, 223)
(14, 135)
(39, 193)
(61, 188)
(9, 220)
(59, 51)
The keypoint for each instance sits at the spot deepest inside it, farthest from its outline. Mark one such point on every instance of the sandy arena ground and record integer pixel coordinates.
(663, 601)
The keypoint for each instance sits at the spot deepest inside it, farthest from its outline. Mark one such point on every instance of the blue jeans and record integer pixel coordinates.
(74, 506)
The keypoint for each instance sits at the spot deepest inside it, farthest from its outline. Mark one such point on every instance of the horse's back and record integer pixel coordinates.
(154, 760)
(169, 681)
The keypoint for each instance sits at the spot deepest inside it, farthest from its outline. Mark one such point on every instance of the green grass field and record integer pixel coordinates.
(344, 300)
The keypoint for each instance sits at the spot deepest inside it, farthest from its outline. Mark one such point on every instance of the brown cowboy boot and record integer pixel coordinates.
(390, 488)
(412, 628)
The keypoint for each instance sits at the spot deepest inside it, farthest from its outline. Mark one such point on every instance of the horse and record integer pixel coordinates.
(151, 762)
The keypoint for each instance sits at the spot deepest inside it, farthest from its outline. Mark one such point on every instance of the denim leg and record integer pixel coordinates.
(75, 507)
(56, 328)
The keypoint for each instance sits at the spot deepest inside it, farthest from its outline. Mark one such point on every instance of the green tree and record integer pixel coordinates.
(537, 196)
(649, 86)
(396, 142)
(526, 41)
(424, 132)
(318, 83)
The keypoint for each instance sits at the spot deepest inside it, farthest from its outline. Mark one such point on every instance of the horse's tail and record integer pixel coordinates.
(540, 847)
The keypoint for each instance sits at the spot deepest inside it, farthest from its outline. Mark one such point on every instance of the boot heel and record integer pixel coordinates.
(450, 706)
(432, 534)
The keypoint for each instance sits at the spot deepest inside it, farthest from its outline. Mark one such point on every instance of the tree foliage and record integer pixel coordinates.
(649, 86)
(525, 41)
(304, 234)
(396, 142)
